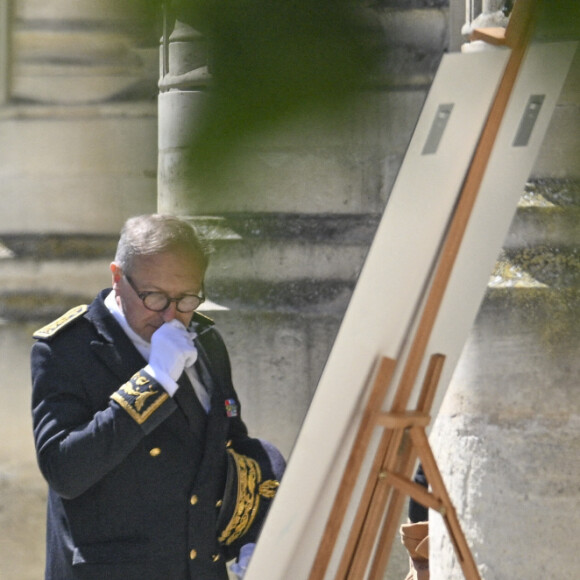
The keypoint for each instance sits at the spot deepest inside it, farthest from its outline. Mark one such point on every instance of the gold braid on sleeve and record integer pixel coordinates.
(250, 489)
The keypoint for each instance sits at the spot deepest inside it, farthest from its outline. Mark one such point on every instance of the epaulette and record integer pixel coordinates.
(57, 325)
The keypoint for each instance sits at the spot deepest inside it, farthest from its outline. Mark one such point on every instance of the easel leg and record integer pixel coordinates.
(447, 510)
(392, 519)
(367, 426)
(379, 495)
(407, 463)
(371, 510)
(387, 536)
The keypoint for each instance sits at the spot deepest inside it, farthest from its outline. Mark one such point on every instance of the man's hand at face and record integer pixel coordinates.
(172, 350)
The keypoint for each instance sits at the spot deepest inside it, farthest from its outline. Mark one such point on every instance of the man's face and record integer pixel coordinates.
(174, 273)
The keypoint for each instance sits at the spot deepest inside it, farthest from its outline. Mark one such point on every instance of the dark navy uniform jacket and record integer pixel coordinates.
(135, 477)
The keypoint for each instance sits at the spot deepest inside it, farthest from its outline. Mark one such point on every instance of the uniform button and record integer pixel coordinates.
(228, 443)
(215, 557)
(192, 555)
(155, 452)
(193, 499)
(219, 503)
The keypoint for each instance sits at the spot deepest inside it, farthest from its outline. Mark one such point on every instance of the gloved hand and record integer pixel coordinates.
(172, 350)
(240, 566)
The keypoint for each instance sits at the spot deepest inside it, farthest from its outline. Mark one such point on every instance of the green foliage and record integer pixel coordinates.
(271, 60)
(558, 20)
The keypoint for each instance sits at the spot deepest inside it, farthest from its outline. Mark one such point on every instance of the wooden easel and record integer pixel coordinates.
(389, 481)
(403, 441)
(403, 438)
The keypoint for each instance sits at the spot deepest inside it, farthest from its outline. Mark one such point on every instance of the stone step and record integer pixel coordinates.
(548, 214)
(538, 267)
(542, 246)
(286, 262)
(275, 247)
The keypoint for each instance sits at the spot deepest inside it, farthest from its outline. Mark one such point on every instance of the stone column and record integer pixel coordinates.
(5, 49)
(182, 93)
(507, 438)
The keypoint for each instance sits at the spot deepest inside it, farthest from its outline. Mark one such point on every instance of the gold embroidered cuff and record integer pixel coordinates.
(140, 397)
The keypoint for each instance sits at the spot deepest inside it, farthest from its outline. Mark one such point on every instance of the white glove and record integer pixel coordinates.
(172, 350)
(240, 566)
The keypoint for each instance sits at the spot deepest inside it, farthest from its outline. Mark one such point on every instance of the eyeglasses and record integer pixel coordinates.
(159, 301)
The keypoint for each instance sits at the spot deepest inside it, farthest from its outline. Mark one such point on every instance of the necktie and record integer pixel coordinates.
(204, 376)
(187, 399)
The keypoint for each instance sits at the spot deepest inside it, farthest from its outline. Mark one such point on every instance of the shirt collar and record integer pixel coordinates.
(140, 344)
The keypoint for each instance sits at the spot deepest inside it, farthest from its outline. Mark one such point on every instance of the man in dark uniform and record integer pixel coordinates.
(137, 424)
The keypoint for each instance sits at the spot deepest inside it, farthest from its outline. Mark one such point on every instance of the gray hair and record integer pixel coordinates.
(146, 235)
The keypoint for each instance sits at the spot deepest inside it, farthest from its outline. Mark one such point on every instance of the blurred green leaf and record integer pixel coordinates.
(271, 60)
(558, 20)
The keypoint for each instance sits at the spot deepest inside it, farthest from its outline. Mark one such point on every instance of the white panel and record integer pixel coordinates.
(397, 272)
(380, 311)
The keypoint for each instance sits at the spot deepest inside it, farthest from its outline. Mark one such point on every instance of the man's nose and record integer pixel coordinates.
(170, 312)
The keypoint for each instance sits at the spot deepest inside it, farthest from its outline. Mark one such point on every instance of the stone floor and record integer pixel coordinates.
(22, 489)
